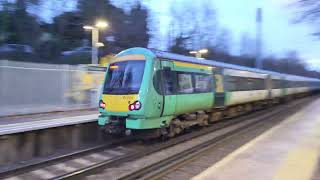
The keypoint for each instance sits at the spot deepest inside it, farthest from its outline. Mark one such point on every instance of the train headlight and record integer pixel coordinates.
(135, 106)
(131, 107)
(102, 104)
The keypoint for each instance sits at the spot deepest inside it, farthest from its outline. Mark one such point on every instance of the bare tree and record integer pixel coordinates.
(182, 21)
(247, 45)
(208, 24)
(310, 13)
(195, 21)
(223, 42)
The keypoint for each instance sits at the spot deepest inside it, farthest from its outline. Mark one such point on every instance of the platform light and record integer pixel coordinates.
(203, 51)
(99, 44)
(199, 53)
(88, 27)
(101, 24)
(193, 52)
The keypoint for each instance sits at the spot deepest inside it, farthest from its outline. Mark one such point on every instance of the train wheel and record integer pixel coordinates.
(215, 116)
(248, 108)
(203, 118)
(232, 112)
(175, 128)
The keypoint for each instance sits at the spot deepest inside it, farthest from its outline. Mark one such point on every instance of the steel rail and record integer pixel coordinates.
(39, 164)
(157, 170)
(258, 117)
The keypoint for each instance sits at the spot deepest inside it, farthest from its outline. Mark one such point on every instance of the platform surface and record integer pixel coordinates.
(288, 151)
(23, 123)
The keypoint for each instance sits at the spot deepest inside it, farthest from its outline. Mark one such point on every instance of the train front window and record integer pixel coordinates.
(124, 77)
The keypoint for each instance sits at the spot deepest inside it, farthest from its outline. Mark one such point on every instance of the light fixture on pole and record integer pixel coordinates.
(99, 44)
(95, 39)
(88, 27)
(101, 24)
(258, 62)
(199, 52)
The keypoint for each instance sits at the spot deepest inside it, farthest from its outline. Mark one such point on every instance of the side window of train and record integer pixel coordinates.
(203, 83)
(164, 82)
(275, 84)
(284, 84)
(157, 82)
(231, 83)
(259, 84)
(287, 84)
(185, 84)
(251, 84)
(234, 83)
(169, 81)
(279, 84)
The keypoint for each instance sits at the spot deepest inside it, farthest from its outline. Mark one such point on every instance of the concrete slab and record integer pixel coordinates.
(13, 128)
(288, 151)
(4, 120)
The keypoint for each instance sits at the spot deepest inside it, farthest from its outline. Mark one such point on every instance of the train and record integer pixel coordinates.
(159, 94)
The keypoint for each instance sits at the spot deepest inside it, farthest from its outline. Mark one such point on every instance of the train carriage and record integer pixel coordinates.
(277, 90)
(245, 86)
(163, 93)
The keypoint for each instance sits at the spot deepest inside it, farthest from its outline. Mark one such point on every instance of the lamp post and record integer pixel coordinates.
(199, 52)
(95, 39)
(259, 64)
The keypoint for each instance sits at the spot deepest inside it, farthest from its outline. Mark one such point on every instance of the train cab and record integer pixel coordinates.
(129, 96)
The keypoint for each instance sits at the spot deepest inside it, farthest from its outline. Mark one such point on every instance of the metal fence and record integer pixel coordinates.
(31, 87)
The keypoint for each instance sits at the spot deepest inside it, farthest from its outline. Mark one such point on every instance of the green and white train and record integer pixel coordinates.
(156, 93)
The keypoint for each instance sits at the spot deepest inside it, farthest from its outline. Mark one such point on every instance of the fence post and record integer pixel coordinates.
(64, 85)
(3, 81)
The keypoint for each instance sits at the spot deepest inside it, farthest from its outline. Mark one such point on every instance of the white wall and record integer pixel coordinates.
(31, 87)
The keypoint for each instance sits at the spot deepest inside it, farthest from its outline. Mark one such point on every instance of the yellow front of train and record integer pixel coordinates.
(123, 103)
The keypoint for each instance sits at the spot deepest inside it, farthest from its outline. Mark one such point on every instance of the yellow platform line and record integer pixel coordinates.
(301, 162)
(295, 117)
(206, 174)
(299, 165)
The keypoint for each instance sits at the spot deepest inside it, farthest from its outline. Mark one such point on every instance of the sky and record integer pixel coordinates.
(280, 34)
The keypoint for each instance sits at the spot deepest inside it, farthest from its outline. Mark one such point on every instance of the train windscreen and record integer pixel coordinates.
(124, 77)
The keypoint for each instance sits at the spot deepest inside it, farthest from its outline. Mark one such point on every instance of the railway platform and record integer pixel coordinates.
(288, 151)
(21, 123)
(26, 137)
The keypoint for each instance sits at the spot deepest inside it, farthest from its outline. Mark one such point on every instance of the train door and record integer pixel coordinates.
(219, 96)
(169, 88)
(268, 85)
(157, 98)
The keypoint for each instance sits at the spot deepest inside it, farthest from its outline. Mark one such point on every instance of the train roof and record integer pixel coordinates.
(178, 57)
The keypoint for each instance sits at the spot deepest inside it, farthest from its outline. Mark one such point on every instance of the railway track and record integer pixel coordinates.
(162, 167)
(165, 166)
(26, 170)
(95, 160)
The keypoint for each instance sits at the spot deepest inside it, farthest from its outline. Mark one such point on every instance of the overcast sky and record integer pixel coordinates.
(279, 33)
